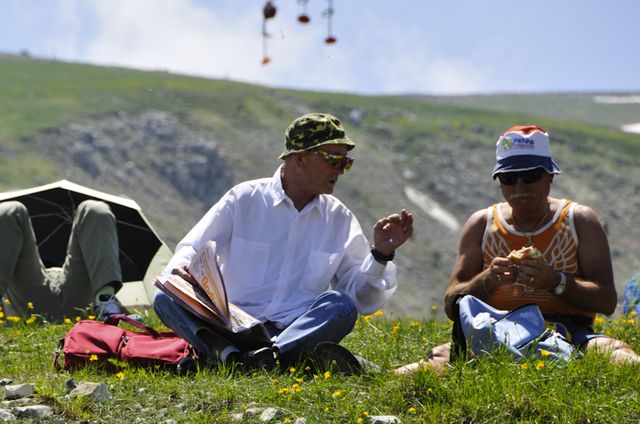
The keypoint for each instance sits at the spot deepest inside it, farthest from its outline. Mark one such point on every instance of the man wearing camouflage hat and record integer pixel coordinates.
(293, 255)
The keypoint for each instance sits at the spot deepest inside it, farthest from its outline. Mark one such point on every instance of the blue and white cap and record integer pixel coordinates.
(522, 148)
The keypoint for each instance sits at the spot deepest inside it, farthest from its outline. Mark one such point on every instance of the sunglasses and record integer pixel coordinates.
(338, 162)
(527, 177)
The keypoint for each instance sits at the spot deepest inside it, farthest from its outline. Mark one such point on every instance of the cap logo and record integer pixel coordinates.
(519, 143)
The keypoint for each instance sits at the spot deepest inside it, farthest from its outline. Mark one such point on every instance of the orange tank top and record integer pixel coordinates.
(558, 242)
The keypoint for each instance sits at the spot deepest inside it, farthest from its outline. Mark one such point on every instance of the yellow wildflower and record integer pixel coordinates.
(430, 390)
(367, 317)
(524, 366)
(91, 317)
(327, 374)
(93, 357)
(598, 320)
(434, 308)
(1, 322)
(13, 318)
(29, 305)
(67, 320)
(379, 313)
(336, 394)
(631, 321)
(411, 410)
(633, 313)
(1, 314)
(78, 319)
(539, 365)
(292, 370)
(7, 301)
(544, 352)
(31, 319)
(299, 380)
(359, 420)
(283, 390)
(120, 375)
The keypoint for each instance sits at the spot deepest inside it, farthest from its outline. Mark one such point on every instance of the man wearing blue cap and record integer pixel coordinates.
(293, 255)
(570, 283)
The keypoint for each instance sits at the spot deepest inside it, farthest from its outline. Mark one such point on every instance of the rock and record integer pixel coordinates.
(33, 411)
(250, 412)
(98, 392)
(300, 421)
(385, 419)
(269, 414)
(70, 384)
(236, 417)
(18, 391)
(6, 416)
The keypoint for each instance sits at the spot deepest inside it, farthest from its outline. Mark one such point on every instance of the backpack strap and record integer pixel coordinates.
(459, 343)
(116, 319)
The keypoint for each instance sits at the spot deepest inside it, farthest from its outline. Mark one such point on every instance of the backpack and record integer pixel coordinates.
(96, 342)
(521, 332)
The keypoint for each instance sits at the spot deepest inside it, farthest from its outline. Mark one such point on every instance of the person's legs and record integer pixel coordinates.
(185, 324)
(92, 260)
(22, 273)
(329, 319)
(619, 351)
(436, 360)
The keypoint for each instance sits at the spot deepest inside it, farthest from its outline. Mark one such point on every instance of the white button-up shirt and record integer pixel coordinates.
(276, 260)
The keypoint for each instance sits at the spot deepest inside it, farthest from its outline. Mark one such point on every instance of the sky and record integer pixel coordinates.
(383, 47)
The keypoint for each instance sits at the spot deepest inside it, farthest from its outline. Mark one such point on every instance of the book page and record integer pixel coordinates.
(205, 270)
(189, 297)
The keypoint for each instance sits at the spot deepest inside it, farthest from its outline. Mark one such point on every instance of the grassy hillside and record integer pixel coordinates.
(138, 133)
(604, 109)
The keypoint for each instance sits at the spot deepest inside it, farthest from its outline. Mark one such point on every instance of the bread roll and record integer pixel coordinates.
(527, 252)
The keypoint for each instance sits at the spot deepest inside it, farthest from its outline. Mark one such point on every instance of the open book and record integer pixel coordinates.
(207, 299)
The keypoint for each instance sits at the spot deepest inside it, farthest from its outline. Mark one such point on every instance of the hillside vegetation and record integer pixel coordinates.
(176, 143)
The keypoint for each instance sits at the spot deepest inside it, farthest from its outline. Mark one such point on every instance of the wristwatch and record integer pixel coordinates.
(381, 257)
(562, 285)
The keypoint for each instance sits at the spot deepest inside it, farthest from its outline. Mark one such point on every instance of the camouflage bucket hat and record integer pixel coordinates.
(313, 130)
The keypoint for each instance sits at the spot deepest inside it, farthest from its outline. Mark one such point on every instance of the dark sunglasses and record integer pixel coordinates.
(338, 162)
(527, 177)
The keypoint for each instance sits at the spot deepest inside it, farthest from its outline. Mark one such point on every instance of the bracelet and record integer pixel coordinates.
(381, 257)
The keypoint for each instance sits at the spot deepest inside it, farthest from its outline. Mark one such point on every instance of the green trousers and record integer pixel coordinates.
(91, 262)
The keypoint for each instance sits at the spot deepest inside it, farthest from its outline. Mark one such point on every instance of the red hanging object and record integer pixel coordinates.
(329, 14)
(268, 12)
(303, 18)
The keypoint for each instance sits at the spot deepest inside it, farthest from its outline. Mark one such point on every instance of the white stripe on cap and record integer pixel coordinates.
(523, 140)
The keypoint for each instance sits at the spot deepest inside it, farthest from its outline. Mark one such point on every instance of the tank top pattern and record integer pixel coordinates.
(558, 243)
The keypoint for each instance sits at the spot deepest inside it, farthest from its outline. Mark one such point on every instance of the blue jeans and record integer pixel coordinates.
(329, 318)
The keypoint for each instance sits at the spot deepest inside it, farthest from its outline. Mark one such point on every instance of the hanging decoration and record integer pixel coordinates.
(329, 14)
(268, 12)
(303, 18)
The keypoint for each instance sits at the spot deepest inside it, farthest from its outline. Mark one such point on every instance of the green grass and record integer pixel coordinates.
(497, 390)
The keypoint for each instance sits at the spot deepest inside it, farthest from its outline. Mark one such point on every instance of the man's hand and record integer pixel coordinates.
(183, 272)
(537, 273)
(391, 232)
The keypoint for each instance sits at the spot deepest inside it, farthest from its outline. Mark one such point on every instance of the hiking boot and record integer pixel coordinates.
(332, 357)
(250, 360)
(106, 308)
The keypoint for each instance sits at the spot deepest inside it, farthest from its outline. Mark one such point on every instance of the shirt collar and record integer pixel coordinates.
(279, 195)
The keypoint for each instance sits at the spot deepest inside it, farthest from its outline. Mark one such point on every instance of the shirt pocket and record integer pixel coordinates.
(320, 269)
(247, 263)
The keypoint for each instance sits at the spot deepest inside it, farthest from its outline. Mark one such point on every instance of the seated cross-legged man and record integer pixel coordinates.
(91, 273)
(570, 282)
(291, 254)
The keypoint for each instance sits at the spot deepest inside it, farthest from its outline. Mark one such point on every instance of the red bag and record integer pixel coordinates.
(91, 341)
